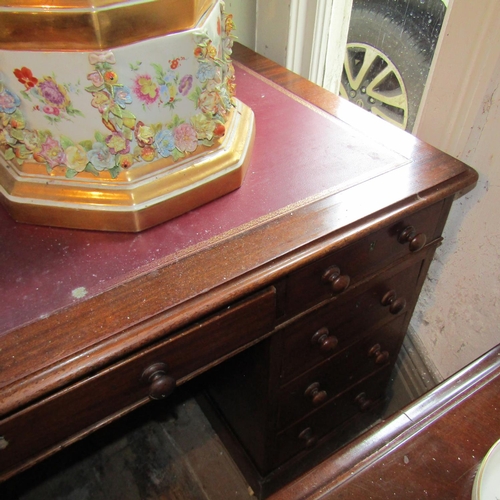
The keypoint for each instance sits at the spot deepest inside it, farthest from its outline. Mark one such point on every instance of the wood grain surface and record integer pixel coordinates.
(430, 449)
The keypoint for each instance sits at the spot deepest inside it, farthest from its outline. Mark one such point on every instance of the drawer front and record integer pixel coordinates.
(317, 387)
(344, 268)
(306, 433)
(57, 418)
(333, 327)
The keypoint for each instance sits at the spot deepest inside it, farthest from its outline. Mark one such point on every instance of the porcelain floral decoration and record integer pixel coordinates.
(124, 140)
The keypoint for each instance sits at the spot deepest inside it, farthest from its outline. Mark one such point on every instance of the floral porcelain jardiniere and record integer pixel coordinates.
(125, 137)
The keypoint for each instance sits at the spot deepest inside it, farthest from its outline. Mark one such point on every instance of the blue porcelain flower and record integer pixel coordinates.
(205, 72)
(123, 96)
(169, 76)
(164, 142)
(9, 102)
(100, 156)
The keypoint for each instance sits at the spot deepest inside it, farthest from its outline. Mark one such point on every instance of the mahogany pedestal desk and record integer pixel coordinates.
(310, 271)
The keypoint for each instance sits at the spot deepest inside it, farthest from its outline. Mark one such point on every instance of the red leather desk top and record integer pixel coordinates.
(43, 269)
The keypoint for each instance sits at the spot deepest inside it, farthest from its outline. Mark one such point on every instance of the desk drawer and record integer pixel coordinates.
(333, 327)
(318, 386)
(79, 407)
(306, 433)
(310, 285)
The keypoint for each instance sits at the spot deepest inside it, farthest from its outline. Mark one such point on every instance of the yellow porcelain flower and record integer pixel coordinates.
(229, 24)
(144, 134)
(76, 157)
(211, 51)
(204, 126)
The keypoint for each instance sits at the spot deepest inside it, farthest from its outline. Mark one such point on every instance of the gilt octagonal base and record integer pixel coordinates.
(138, 198)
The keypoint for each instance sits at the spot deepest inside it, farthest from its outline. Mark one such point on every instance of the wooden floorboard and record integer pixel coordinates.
(164, 451)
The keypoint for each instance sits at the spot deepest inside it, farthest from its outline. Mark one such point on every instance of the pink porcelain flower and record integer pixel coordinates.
(96, 78)
(52, 153)
(185, 137)
(51, 110)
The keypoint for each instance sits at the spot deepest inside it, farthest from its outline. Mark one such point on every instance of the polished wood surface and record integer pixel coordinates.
(430, 449)
(344, 341)
(81, 353)
(309, 388)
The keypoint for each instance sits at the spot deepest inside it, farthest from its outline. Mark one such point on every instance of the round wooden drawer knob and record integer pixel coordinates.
(3, 443)
(324, 340)
(416, 241)
(380, 356)
(318, 396)
(161, 385)
(337, 281)
(308, 437)
(396, 304)
(363, 402)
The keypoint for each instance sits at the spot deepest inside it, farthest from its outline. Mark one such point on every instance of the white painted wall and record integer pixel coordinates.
(244, 14)
(457, 318)
(273, 20)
